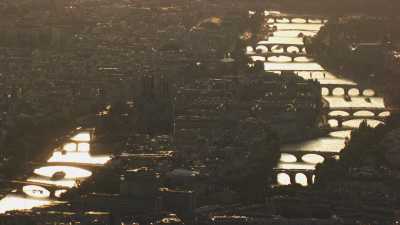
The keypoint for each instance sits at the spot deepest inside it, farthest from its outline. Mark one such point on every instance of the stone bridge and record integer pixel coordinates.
(346, 88)
(300, 47)
(291, 18)
(352, 111)
(299, 154)
(292, 56)
(18, 185)
(340, 119)
(86, 166)
(292, 174)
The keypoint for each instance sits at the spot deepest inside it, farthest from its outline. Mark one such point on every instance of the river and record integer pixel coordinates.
(286, 33)
(61, 172)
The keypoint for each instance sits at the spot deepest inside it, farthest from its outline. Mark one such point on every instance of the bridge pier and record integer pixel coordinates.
(52, 194)
(301, 49)
(346, 91)
(309, 179)
(330, 91)
(292, 178)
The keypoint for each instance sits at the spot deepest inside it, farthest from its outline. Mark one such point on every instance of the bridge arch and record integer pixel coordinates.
(353, 92)
(283, 179)
(384, 114)
(301, 178)
(338, 91)
(338, 113)
(368, 92)
(293, 49)
(325, 91)
(288, 158)
(312, 158)
(349, 89)
(364, 113)
(261, 49)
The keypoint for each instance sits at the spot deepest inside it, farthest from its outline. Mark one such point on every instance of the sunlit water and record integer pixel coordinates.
(69, 172)
(294, 33)
(289, 33)
(78, 157)
(282, 40)
(295, 66)
(298, 27)
(73, 153)
(14, 202)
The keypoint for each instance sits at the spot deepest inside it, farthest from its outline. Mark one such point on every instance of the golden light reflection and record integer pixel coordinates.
(384, 114)
(70, 147)
(355, 123)
(70, 172)
(298, 20)
(83, 147)
(288, 158)
(341, 134)
(313, 158)
(12, 202)
(283, 179)
(61, 183)
(82, 137)
(36, 191)
(58, 193)
(78, 157)
(301, 179)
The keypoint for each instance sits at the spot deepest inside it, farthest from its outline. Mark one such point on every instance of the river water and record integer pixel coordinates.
(61, 172)
(287, 33)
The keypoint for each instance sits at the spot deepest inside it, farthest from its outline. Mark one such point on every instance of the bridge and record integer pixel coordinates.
(299, 154)
(292, 174)
(285, 46)
(292, 56)
(340, 119)
(351, 111)
(86, 166)
(50, 187)
(292, 18)
(347, 88)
